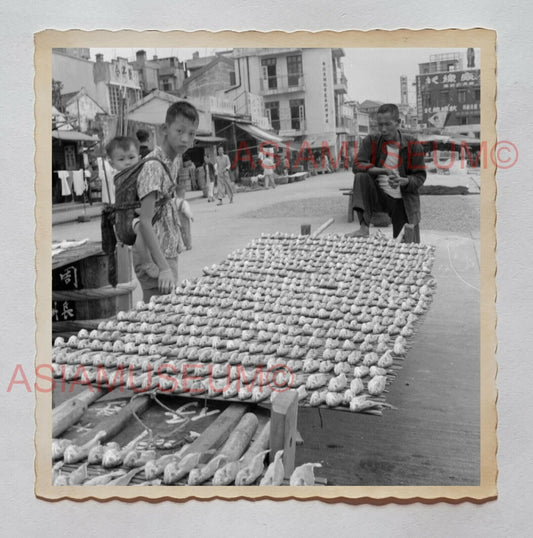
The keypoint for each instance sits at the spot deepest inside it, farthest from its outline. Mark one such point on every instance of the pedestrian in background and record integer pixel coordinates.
(267, 162)
(222, 168)
(143, 137)
(210, 178)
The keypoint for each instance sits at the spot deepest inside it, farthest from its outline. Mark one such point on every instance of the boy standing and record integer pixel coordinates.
(162, 237)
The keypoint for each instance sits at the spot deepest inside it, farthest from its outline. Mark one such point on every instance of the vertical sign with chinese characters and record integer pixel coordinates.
(325, 91)
(63, 311)
(65, 278)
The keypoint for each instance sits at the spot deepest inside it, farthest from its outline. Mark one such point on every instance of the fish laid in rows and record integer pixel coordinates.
(114, 457)
(59, 446)
(249, 474)
(125, 479)
(177, 469)
(304, 475)
(226, 475)
(74, 453)
(275, 473)
(199, 475)
(138, 458)
(104, 479)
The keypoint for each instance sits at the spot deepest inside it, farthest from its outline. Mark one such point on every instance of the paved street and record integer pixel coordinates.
(432, 438)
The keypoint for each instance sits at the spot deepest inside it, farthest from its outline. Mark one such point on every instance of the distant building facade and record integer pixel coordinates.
(449, 93)
(303, 91)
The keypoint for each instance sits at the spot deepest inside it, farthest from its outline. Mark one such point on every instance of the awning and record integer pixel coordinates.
(209, 139)
(73, 136)
(259, 134)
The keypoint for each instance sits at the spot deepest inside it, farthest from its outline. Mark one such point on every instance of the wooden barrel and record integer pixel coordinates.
(81, 294)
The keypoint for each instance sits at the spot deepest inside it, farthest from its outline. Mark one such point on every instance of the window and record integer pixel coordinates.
(426, 99)
(297, 107)
(461, 96)
(166, 86)
(477, 94)
(444, 98)
(114, 99)
(70, 157)
(294, 69)
(269, 72)
(272, 109)
(232, 79)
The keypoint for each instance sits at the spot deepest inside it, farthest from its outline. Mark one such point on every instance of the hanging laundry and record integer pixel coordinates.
(78, 182)
(63, 177)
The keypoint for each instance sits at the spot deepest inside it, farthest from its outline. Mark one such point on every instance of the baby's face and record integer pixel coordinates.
(121, 159)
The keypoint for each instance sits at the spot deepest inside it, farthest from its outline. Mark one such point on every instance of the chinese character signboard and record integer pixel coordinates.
(63, 310)
(450, 98)
(66, 278)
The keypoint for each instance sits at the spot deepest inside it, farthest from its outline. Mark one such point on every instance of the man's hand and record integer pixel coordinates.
(166, 281)
(397, 181)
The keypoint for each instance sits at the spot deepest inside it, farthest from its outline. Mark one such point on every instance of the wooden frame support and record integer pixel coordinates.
(283, 433)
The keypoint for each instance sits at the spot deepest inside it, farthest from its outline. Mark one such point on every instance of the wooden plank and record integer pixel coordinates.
(217, 432)
(124, 274)
(259, 444)
(240, 437)
(350, 207)
(323, 227)
(75, 254)
(113, 425)
(70, 411)
(283, 419)
(409, 233)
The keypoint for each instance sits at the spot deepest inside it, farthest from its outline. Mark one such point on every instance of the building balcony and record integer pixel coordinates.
(240, 53)
(289, 128)
(282, 84)
(341, 85)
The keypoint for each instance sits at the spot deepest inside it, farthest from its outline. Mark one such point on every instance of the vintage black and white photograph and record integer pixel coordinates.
(266, 268)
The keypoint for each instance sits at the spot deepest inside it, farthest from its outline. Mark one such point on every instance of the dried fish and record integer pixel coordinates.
(249, 474)
(304, 475)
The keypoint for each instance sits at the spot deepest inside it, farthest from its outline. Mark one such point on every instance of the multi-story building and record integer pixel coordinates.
(210, 80)
(117, 83)
(303, 91)
(107, 83)
(449, 94)
(166, 74)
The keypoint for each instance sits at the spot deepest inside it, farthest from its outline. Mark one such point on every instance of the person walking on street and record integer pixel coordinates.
(210, 178)
(222, 168)
(267, 162)
(389, 169)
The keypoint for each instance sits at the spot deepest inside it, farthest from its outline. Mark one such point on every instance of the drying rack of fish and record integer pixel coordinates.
(240, 460)
(330, 316)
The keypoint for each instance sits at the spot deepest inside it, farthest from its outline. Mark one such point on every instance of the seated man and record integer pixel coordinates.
(389, 169)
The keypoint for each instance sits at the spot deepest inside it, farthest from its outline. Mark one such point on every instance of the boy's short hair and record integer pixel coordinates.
(122, 142)
(142, 135)
(391, 108)
(182, 108)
